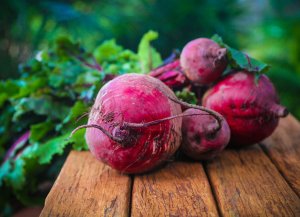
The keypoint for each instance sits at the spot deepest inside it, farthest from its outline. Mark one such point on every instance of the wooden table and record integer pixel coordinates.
(262, 180)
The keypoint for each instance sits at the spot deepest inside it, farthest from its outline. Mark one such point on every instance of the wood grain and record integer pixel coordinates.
(283, 147)
(247, 183)
(179, 189)
(86, 187)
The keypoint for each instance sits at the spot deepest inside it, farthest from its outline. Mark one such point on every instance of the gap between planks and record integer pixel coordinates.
(246, 183)
(178, 189)
(212, 189)
(283, 148)
(278, 156)
(130, 197)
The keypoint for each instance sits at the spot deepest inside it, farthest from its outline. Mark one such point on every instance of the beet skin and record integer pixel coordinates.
(134, 98)
(203, 61)
(200, 139)
(171, 74)
(251, 108)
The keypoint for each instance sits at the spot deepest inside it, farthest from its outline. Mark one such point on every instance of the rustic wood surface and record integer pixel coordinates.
(283, 147)
(262, 180)
(246, 183)
(86, 187)
(179, 189)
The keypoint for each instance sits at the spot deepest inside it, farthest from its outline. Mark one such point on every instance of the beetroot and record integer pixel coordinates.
(171, 74)
(203, 61)
(117, 131)
(200, 139)
(250, 107)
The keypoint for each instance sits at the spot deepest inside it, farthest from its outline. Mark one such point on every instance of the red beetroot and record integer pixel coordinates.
(251, 109)
(171, 74)
(200, 139)
(203, 61)
(115, 132)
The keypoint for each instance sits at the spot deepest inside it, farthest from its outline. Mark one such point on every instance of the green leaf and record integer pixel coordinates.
(128, 56)
(41, 106)
(78, 140)
(7, 90)
(107, 50)
(89, 94)
(88, 78)
(115, 60)
(240, 60)
(216, 38)
(65, 74)
(38, 131)
(187, 96)
(56, 80)
(56, 146)
(4, 170)
(6, 127)
(148, 56)
(32, 67)
(15, 170)
(12, 172)
(3, 98)
(78, 110)
(16, 177)
(46, 151)
(29, 86)
(55, 88)
(66, 48)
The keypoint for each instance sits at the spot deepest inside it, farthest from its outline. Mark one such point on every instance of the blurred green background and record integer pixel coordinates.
(267, 30)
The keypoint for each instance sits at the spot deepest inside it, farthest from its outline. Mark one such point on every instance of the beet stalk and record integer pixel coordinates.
(171, 74)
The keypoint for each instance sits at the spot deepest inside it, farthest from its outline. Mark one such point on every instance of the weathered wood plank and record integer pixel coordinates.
(179, 189)
(86, 187)
(283, 147)
(247, 183)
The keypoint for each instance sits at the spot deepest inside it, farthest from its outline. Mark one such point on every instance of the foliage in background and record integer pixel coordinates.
(275, 38)
(51, 98)
(29, 25)
(266, 29)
